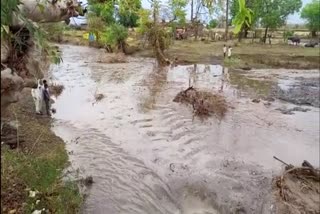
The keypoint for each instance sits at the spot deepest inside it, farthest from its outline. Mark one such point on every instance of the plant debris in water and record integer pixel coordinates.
(56, 89)
(297, 190)
(204, 103)
(98, 97)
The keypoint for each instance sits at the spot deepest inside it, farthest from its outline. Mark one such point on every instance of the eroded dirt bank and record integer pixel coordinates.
(148, 154)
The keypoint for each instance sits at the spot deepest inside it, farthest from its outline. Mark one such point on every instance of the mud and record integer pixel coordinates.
(292, 110)
(159, 159)
(304, 91)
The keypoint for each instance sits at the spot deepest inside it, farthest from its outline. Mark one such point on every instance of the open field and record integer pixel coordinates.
(244, 55)
(252, 55)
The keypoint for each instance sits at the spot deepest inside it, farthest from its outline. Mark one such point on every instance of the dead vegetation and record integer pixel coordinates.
(297, 190)
(56, 89)
(98, 97)
(204, 103)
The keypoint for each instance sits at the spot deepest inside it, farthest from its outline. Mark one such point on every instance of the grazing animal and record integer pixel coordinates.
(311, 44)
(294, 39)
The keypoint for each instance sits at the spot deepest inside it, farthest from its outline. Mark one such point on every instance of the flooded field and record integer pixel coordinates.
(148, 154)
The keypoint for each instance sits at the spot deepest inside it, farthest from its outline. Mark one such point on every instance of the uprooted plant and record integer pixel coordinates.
(56, 89)
(298, 188)
(204, 103)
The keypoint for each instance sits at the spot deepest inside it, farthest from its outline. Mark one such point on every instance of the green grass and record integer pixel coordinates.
(43, 175)
(37, 165)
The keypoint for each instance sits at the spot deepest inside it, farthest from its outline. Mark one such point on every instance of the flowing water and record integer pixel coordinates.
(147, 154)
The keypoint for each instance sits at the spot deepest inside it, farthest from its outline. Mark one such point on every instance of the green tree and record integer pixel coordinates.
(144, 21)
(177, 8)
(213, 23)
(128, 19)
(274, 13)
(128, 12)
(103, 9)
(311, 12)
(254, 6)
(243, 18)
(103, 13)
(116, 35)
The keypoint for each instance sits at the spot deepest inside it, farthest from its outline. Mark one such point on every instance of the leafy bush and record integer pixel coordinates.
(213, 24)
(115, 35)
(54, 30)
(128, 19)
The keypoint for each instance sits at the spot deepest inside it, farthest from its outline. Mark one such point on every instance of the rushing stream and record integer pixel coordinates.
(147, 154)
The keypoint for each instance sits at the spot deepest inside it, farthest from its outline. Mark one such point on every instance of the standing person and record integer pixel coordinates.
(46, 98)
(224, 51)
(229, 52)
(269, 37)
(37, 95)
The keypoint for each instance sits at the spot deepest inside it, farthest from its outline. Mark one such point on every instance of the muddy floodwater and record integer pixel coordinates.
(147, 154)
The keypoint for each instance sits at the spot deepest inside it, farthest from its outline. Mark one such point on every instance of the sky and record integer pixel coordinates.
(292, 19)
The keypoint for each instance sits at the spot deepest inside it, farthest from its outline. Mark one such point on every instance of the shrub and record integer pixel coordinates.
(116, 35)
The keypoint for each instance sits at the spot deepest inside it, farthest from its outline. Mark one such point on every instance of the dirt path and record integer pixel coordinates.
(148, 154)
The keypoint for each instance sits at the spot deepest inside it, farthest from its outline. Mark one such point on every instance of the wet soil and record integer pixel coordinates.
(148, 154)
(305, 92)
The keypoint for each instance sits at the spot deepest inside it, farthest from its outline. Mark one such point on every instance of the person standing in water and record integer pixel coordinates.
(37, 95)
(229, 52)
(46, 98)
(224, 51)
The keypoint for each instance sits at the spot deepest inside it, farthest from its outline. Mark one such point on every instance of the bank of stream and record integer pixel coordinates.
(148, 154)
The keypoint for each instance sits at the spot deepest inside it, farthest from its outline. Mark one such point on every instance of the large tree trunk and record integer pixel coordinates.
(191, 18)
(196, 31)
(240, 35)
(227, 23)
(313, 33)
(246, 33)
(265, 35)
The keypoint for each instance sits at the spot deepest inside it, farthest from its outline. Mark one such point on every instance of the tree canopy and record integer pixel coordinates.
(311, 12)
(243, 17)
(274, 13)
(268, 13)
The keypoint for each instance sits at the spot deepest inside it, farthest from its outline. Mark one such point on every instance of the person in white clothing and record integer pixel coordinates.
(224, 51)
(37, 95)
(229, 52)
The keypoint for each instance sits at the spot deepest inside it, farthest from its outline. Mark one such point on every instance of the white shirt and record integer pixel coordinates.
(229, 51)
(224, 49)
